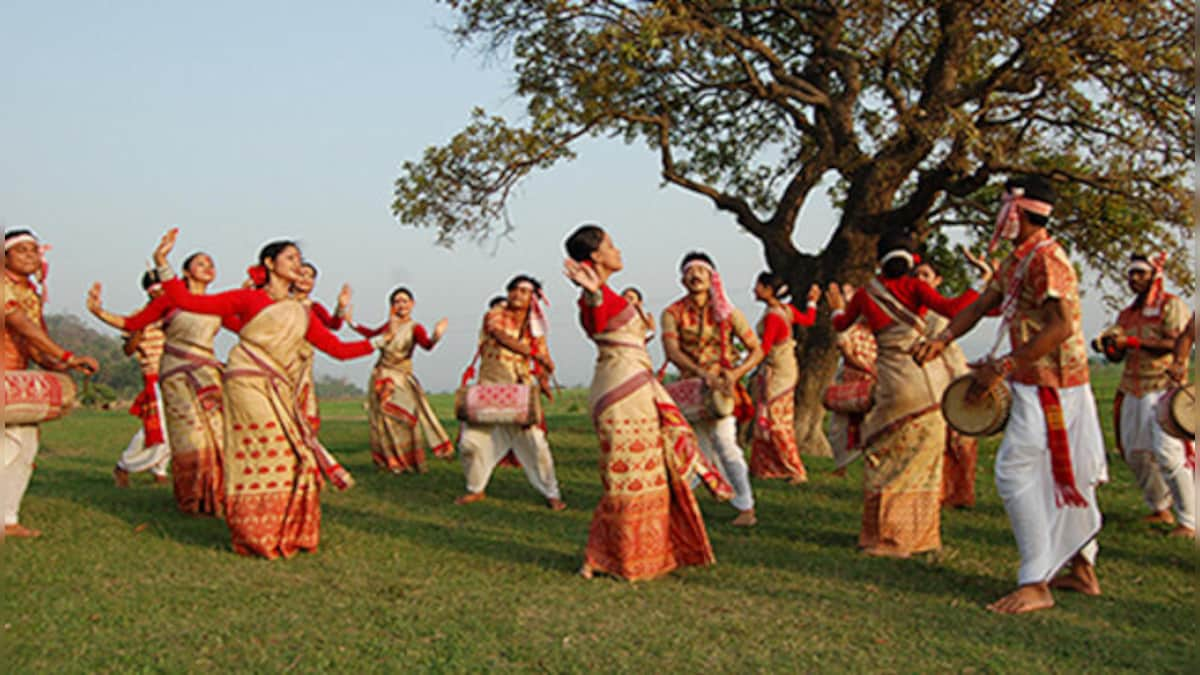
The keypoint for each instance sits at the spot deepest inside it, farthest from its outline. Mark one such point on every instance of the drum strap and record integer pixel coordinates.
(1008, 308)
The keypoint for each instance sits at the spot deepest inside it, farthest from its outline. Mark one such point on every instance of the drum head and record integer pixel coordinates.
(978, 418)
(1184, 409)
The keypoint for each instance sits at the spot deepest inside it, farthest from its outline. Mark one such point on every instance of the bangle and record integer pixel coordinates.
(945, 336)
(1132, 342)
(66, 356)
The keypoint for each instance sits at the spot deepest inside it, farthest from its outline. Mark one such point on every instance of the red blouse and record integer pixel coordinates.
(243, 304)
(776, 329)
(913, 293)
(595, 318)
(419, 335)
(330, 321)
(161, 308)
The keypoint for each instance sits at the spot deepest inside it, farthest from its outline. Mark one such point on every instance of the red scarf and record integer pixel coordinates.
(1065, 491)
(145, 406)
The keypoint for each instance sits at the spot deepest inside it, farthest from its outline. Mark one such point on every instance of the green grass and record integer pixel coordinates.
(406, 580)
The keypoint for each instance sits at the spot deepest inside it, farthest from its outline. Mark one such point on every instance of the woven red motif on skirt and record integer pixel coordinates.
(689, 396)
(499, 403)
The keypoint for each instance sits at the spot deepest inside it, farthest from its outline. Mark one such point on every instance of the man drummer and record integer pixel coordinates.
(1149, 328)
(24, 341)
(1052, 456)
(698, 332)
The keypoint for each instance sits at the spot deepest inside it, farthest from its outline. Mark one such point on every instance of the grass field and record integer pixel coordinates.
(406, 580)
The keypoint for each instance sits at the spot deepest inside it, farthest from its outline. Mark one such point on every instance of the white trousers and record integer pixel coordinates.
(482, 447)
(1158, 460)
(1047, 535)
(20, 446)
(718, 442)
(139, 457)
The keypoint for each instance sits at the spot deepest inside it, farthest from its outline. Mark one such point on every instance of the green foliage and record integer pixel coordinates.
(119, 374)
(337, 388)
(912, 108)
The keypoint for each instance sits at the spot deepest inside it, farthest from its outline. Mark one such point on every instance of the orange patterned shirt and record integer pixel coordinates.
(1048, 276)
(1145, 371)
(497, 363)
(699, 335)
(19, 296)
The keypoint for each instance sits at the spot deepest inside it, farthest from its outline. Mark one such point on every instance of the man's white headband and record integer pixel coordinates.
(19, 239)
(894, 254)
(1140, 266)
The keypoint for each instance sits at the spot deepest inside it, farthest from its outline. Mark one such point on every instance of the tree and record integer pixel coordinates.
(910, 108)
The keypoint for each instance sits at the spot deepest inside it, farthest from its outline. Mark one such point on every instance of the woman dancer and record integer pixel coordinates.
(773, 451)
(273, 461)
(647, 522)
(904, 434)
(399, 412)
(190, 380)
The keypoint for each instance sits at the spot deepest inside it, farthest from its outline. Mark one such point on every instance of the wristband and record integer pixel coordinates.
(66, 356)
(1132, 342)
(1006, 365)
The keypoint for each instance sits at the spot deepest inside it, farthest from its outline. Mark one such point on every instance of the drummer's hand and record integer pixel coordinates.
(925, 351)
(84, 364)
(1177, 371)
(982, 380)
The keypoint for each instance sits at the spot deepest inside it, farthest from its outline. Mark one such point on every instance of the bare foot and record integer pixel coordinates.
(886, 552)
(120, 477)
(745, 519)
(470, 498)
(161, 480)
(798, 480)
(1163, 517)
(840, 473)
(1027, 598)
(586, 571)
(555, 504)
(18, 530)
(1183, 531)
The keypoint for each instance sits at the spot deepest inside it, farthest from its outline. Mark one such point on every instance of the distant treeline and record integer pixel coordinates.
(121, 379)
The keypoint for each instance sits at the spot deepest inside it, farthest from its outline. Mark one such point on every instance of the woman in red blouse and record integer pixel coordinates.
(273, 462)
(773, 451)
(402, 422)
(904, 434)
(647, 522)
(190, 380)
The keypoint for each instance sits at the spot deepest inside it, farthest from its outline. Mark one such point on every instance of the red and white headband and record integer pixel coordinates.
(1008, 220)
(20, 239)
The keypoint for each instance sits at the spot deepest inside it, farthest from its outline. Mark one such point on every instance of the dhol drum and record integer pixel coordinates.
(697, 402)
(1177, 412)
(34, 396)
(986, 416)
(498, 404)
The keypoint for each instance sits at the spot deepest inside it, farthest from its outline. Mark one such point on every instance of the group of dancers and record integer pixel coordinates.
(241, 437)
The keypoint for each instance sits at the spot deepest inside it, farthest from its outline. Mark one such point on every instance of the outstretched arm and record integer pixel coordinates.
(960, 324)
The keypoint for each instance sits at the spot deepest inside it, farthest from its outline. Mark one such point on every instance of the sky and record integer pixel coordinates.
(241, 123)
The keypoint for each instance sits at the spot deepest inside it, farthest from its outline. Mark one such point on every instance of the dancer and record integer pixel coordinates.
(647, 522)
(25, 341)
(1052, 455)
(698, 332)
(962, 452)
(856, 374)
(191, 387)
(773, 451)
(306, 389)
(1149, 328)
(402, 422)
(904, 434)
(514, 335)
(273, 459)
(149, 449)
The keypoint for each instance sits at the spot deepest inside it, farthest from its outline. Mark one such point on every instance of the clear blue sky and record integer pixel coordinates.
(245, 122)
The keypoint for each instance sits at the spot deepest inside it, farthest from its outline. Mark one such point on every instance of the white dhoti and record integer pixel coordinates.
(482, 447)
(140, 457)
(19, 449)
(1047, 535)
(718, 442)
(1158, 460)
